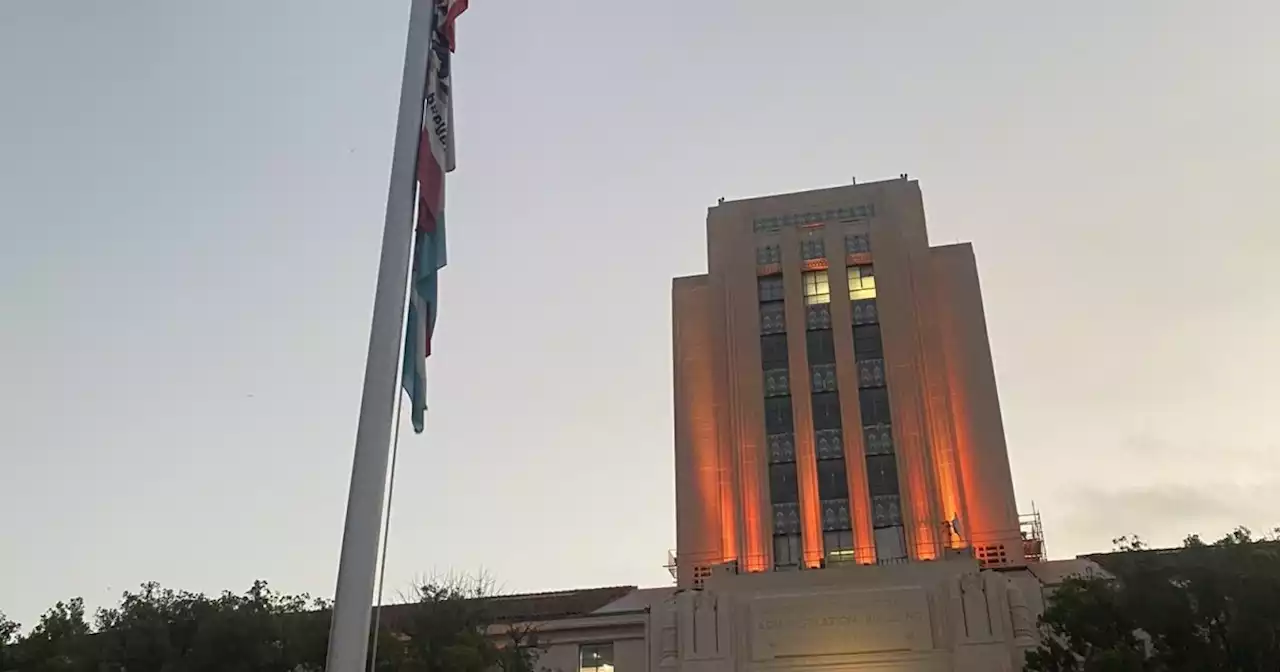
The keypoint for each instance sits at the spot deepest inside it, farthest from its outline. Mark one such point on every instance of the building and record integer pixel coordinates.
(844, 498)
(834, 393)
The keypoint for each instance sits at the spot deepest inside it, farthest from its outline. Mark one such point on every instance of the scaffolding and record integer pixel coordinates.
(1032, 535)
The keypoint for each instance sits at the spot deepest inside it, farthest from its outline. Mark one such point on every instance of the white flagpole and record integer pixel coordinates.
(357, 568)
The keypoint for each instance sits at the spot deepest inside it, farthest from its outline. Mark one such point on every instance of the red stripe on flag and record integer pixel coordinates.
(456, 8)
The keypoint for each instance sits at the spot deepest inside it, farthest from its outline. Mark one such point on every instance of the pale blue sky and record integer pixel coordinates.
(191, 198)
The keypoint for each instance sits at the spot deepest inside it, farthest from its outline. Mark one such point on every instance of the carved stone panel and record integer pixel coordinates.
(848, 622)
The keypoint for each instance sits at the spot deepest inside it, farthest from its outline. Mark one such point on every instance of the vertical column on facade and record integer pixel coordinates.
(703, 512)
(733, 270)
(883, 485)
(938, 409)
(801, 404)
(835, 512)
(846, 245)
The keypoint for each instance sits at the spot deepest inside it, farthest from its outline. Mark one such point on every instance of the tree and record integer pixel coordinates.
(58, 643)
(161, 629)
(451, 626)
(8, 637)
(1201, 607)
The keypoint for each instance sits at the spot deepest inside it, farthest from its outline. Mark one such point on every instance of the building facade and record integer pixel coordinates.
(835, 400)
(835, 414)
(943, 616)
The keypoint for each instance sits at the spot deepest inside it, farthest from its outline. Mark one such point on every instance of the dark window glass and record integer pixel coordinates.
(770, 288)
(867, 343)
(832, 482)
(777, 416)
(874, 402)
(782, 483)
(773, 351)
(786, 550)
(882, 475)
(826, 410)
(838, 544)
(821, 346)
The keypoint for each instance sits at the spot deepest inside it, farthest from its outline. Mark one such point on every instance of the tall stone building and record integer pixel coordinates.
(834, 393)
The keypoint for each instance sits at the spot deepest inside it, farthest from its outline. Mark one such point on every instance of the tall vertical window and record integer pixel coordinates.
(773, 351)
(770, 288)
(783, 488)
(838, 545)
(867, 343)
(832, 481)
(826, 410)
(874, 402)
(821, 347)
(777, 416)
(817, 288)
(595, 657)
(786, 550)
(862, 283)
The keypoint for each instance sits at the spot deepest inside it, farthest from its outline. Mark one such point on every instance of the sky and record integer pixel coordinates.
(191, 203)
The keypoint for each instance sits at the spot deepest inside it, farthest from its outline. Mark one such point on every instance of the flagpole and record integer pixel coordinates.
(357, 568)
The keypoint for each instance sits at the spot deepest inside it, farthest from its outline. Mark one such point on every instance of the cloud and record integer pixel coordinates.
(1164, 513)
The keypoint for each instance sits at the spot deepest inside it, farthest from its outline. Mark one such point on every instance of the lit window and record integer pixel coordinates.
(595, 658)
(838, 544)
(862, 283)
(817, 288)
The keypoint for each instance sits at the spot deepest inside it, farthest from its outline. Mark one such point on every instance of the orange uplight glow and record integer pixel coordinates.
(810, 509)
(945, 469)
(757, 554)
(919, 495)
(712, 475)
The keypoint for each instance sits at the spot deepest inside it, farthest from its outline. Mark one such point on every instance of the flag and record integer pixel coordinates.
(435, 159)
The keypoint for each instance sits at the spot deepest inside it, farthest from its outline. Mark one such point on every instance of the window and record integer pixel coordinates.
(768, 254)
(832, 481)
(777, 416)
(817, 288)
(773, 317)
(857, 243)
(786, 550)
(838, 544)
(773, 351)
(782, 483)
(821, 347)
(874, 403)
(595, 657)
(862, 283)
(770, 288)
(813, 246)
(826, 410)
(882, 475)
(867, 343)
(891, 544)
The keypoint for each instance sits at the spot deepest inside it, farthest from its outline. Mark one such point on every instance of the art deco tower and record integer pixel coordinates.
(834, 393)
